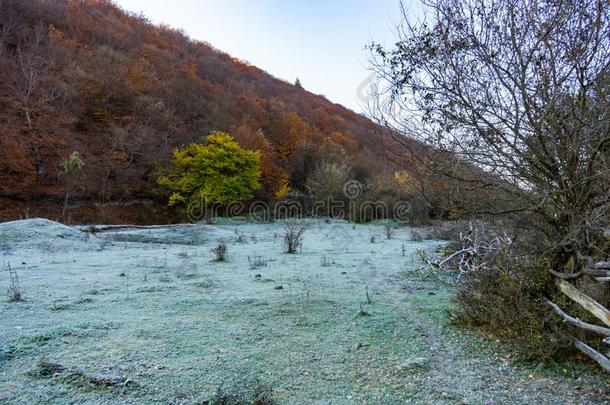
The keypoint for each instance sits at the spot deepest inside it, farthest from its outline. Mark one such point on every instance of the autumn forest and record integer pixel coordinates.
(89, 77)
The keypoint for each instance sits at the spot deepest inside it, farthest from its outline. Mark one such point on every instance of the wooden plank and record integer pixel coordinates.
(594, 354)
(577, 322)
(588, 303)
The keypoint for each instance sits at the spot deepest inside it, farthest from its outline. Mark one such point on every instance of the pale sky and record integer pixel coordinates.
(320, 42)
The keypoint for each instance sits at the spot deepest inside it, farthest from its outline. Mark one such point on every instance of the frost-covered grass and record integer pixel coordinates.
(147, 315)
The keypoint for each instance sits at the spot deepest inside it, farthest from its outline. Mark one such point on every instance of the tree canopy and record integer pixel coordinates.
(217, 171)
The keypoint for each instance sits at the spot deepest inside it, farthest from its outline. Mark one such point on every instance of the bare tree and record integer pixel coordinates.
(71, 170)
(5, 31)
(31, 67)
(326, 184)
(519, 89)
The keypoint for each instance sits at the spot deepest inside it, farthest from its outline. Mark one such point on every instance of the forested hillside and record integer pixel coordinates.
(86, 76)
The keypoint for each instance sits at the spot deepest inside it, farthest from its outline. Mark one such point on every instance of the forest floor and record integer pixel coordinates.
(144, 315)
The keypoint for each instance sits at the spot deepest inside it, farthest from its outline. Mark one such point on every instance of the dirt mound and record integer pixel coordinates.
(168, 235)
(44, 234)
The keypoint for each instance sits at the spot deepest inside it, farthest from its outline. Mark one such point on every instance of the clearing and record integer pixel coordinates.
(144, 315)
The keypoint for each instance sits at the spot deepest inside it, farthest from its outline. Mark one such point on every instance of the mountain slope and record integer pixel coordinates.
(89, 77)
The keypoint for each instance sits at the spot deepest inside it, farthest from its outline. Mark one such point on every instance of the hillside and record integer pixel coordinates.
(87, 76)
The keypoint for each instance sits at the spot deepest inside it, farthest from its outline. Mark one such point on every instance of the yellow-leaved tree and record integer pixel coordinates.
(215, 172)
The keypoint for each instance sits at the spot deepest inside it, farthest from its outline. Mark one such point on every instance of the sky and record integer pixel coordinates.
(320, 42)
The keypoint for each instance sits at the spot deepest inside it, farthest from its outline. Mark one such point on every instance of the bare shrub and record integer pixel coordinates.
(325, 261)
(5, 248)
(293, 236)
(470, 250)
(14, 289)
(220, 252)
(389, 231)
(256, 261)
(241, 238)
(416, 236)
(362, 311)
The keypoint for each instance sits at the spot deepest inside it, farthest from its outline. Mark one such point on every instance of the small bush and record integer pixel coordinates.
(204, 284)
(239, 391)
(220, 252)
(44, 368)
(262, 394)
(228, 395)
(503, 286)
